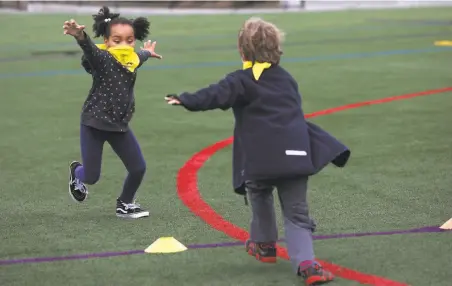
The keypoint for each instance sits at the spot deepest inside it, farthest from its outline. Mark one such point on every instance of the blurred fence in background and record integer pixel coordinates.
(22, 5)
(170, 7)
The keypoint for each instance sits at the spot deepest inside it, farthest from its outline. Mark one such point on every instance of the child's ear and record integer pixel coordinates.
(105, 40)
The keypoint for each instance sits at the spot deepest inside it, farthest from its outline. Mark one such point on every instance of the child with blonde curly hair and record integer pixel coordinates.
(274, 146)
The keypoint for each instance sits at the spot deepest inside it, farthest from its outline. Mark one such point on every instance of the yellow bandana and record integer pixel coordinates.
(258, 68)
(126, 55)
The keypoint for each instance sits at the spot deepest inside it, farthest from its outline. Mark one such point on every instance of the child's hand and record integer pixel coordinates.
(172, 99)
(150, 47)
(72, 28)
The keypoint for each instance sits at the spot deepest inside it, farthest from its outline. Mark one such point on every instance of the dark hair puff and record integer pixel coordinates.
(102, 28)
(141, 28)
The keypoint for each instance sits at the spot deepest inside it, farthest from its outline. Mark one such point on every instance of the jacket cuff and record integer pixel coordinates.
(86, 39)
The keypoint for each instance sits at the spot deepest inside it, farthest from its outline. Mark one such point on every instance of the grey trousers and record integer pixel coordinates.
(298, 225)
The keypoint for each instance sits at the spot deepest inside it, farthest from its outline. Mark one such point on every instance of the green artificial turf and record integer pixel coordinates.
(398, 177)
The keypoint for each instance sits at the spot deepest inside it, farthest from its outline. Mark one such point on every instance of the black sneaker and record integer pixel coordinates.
(132, 210)
(77, 190)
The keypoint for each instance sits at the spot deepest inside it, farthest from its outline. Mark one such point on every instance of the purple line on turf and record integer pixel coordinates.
(427, 229)
(215, 245)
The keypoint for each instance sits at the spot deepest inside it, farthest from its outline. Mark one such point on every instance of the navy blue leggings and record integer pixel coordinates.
(125, 145)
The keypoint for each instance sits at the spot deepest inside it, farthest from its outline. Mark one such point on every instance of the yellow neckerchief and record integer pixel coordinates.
(258, 68)
(126, 55)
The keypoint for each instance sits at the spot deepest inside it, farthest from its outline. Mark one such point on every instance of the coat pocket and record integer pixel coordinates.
(128, 113)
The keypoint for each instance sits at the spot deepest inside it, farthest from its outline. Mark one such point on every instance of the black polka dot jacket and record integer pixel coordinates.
(110, 104)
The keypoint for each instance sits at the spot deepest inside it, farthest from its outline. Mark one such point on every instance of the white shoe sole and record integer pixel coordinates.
(133, 216)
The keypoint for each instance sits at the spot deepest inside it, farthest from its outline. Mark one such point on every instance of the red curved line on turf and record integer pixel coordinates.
(188, 192)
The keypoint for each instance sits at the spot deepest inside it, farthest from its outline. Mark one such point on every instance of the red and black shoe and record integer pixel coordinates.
(264, 252)
(314, 274)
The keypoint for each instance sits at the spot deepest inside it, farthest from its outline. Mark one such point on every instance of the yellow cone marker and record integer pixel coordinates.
(447, 225)
(443, 43)
(165, 245)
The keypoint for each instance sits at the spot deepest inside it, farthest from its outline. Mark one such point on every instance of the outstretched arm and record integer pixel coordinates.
(90, 51)
(222, 95)
(86, 65)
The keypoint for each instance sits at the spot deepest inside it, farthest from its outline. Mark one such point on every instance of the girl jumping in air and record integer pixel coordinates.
(110, 104)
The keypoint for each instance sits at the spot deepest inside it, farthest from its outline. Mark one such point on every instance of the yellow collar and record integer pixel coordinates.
(124, 54)
(257, 68)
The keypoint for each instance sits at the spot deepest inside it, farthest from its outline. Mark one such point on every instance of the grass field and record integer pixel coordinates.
(398, 177)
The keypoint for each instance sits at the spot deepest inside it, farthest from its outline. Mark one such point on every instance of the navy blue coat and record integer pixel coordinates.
(272, 139)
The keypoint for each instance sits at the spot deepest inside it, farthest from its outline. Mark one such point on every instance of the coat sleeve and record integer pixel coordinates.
(91, 52)
(143, 56)
(86, 65)
(222, 95)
